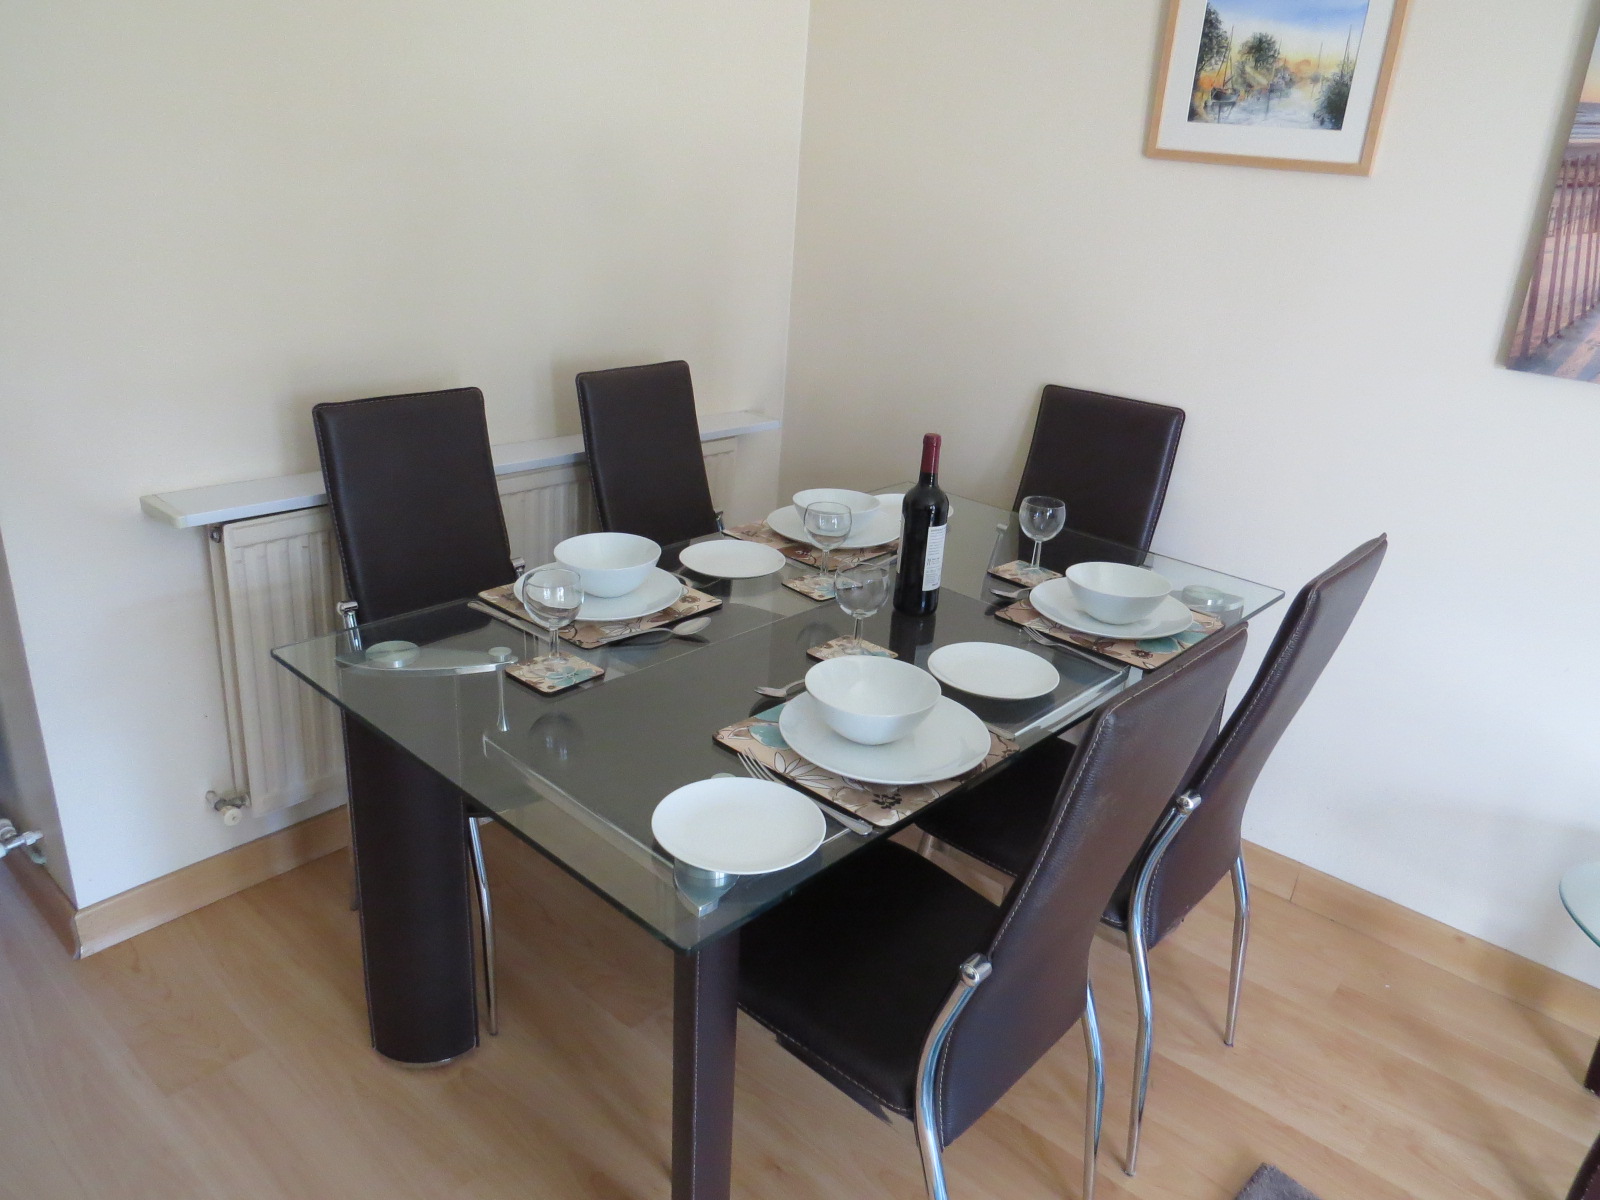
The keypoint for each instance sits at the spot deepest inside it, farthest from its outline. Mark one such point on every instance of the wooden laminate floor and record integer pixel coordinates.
(224, 1056)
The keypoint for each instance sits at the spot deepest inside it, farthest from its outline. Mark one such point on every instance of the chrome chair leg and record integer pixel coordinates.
(1139, 952)
(1140, 956)
(1241, 938)
(972, 973)
(1096, 1101)
(486, 922)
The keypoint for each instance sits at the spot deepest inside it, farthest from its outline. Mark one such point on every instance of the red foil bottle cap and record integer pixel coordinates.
(931, 444)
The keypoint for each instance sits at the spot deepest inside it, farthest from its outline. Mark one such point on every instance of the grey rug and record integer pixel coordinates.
(1269, 1183)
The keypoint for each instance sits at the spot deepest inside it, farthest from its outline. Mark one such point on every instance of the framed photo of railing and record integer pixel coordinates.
(1292, 84)
(1556, 331)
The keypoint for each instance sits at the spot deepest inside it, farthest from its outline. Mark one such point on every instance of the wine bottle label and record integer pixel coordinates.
(933, 565)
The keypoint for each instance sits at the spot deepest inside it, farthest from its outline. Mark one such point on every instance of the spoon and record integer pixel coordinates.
(689, 630)
(784, 692)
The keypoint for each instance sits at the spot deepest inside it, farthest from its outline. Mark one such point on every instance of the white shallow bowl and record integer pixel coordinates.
(738, 826)
(952, 740)
(856, 502)
(872, 700)
(1115, 592)
(993, 670)
(728, 558)
(875, 528)
(611, 564)
(1055, 600)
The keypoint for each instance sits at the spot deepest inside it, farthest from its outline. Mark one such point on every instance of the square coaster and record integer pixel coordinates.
(1023, 575)
(812, 587)
(882, 804)
(549, 675)
(840, 647)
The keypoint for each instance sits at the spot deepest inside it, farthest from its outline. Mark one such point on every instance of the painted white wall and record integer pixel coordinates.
(213, 216)
(976, 219)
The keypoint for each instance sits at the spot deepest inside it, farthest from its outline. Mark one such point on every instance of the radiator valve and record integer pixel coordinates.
(11, 840)
(230, 804)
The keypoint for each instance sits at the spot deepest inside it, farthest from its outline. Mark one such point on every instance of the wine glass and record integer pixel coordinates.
(861, 592)
(1042, 517)
(828, 523)
(552, 596)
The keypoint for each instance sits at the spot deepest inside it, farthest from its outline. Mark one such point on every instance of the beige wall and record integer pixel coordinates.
(213, 216)
(976, 219)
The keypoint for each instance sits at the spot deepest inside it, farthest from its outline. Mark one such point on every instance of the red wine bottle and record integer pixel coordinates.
(925, 515)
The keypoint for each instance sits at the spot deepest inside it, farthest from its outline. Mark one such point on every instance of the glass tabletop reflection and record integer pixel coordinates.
(578, 774)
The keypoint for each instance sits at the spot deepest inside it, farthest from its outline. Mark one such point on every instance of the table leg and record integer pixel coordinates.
(705, 1014)
(409, 840)
(1587, 1185)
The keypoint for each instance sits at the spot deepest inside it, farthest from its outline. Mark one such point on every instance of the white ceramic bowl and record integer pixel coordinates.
(611, 564)
(857, 502)
(1115, 592)
(872, 700)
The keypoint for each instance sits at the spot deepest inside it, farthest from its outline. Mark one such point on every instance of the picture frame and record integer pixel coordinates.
(1297, 85)
(1555, 323)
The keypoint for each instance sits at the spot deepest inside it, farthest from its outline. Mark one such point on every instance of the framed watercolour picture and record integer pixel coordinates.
(1297, 84)
(1557, 328)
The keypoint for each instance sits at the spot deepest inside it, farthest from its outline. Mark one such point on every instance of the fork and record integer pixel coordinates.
(760, 770)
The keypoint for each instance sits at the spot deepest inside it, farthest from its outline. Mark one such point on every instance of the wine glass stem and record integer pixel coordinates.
(857, 634)
(1038, 549)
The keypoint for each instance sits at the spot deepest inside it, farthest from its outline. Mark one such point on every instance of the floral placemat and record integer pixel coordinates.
(1024, 575)
(842, 560)
(591, 635)
(759, 737)
(839, 647)
(1148, 653)
(551, 675)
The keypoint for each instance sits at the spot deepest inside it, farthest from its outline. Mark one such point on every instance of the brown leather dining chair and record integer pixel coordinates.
(913, 993)
(1108, 457)
(1001, 823)
(643, 441)
(418, 522)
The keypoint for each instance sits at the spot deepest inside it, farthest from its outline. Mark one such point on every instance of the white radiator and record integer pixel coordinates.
(276, 580)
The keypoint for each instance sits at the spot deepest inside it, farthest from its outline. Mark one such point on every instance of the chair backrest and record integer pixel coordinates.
(1108, 457)
(1206, 846)
(643, 441)
(1124, 774)
(416, 512)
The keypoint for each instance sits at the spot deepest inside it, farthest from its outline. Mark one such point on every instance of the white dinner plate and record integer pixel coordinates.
(990, 669)
(950, 741)
(729, 558)
(874, 529)
(740, 826)
(660, 589)
(1055, 600)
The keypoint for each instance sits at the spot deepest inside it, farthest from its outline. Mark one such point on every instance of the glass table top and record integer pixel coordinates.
(1580, 893)
(578, 774)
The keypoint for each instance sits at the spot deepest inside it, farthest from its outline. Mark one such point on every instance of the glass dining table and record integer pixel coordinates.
(577, 775)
